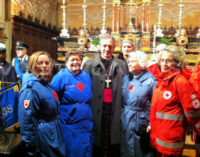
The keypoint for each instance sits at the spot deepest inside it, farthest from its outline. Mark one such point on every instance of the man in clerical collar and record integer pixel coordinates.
(107, 73)
(21, 61)
(7, 72)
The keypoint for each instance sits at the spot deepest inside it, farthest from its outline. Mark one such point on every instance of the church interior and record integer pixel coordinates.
(58, 25)
(44, 24)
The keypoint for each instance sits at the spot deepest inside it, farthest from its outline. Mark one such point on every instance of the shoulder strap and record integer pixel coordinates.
(30, 84)
(17, 68)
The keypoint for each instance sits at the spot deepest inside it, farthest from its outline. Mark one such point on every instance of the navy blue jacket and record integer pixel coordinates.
(38, 116)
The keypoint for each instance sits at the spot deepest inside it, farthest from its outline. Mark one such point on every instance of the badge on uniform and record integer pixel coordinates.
(195, 103)
(167, 95)
(131, 88)
(26, 103)
(55, 95)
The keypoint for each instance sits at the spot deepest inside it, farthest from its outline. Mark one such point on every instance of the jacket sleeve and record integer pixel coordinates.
(57, 84)
(86, 67)
(27, 113)
(189, 100)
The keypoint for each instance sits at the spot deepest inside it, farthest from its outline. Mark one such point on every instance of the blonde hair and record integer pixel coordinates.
(178, 54)
(34, 58)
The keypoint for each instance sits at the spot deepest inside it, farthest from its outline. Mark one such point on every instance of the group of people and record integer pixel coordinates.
(109, 106)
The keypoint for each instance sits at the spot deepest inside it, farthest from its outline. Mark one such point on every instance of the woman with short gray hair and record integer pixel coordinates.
(137, 90)
(175, 104)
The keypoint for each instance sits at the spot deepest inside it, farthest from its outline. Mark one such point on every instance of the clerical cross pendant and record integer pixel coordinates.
(107, 83)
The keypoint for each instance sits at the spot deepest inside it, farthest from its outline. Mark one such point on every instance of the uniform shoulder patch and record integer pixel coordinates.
(26, 104)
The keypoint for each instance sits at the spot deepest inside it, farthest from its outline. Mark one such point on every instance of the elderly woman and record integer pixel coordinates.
(74, 88)
(174, 103)
(38, 110)
(138, 87)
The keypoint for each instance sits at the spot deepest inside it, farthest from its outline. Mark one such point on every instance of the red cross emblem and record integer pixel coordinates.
(55, 95)
(80, 86)
(196, 103)
(167, 95)
(26, 103)
(131, 88)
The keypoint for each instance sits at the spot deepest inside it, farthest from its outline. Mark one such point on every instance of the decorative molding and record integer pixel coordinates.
(39, 9)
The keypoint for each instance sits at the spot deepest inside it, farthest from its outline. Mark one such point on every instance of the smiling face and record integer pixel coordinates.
(107, 48)
(133, 65)
(74, 63)
(167, 62)
(43, 67)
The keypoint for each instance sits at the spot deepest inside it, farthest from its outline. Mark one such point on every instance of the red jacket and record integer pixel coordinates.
(195, 81)
(173, 103)
(155, 70)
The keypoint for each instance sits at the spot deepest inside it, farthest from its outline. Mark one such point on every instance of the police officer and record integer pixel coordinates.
(7, 72)
(21, 61)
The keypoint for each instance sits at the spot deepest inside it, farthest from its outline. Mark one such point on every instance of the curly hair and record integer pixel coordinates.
(178, 54)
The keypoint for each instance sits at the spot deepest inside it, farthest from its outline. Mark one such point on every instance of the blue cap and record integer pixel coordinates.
(2, 47)
(21, 44)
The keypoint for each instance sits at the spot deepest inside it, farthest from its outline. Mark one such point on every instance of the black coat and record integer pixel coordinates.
(7, 74)
(98, 76)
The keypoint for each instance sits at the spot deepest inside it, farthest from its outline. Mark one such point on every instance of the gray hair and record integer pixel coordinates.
(107, 37)
(160, 47)
(178, 54)
(141, 57)
(130, 41)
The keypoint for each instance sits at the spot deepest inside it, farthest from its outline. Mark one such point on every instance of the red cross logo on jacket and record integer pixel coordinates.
(55, 95)
(131, 88)
(80, 86)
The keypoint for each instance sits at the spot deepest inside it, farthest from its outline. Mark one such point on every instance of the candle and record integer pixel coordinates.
(84, 1)
(63, 2)
(104, 1)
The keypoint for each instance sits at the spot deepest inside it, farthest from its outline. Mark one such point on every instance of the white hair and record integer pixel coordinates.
(141, 57)
(160, 47)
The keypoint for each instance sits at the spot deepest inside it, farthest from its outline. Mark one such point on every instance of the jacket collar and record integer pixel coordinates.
(140, 77)
(164, 79)
(98, 62)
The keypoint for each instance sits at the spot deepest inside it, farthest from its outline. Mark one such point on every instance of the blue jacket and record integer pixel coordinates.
(137, 93)
(38, 116)
(75, 93)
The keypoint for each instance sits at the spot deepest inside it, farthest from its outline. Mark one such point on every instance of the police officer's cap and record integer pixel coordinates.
(2, 47)
(21, 44)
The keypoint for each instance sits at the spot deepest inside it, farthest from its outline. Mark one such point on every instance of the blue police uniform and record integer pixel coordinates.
(137, 92)
(38, 116)
(21, 64)
(75, 93)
